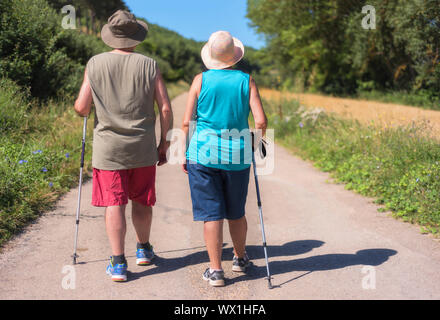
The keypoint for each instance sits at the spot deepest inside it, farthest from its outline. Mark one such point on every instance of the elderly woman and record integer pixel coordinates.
(218, 156)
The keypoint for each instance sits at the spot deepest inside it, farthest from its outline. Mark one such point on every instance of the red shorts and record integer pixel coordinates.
(114, 188)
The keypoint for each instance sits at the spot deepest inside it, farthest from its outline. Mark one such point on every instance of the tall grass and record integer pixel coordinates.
(39, 155)
(398, 166)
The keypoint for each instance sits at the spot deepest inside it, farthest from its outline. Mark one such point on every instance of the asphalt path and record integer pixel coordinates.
(324, 242)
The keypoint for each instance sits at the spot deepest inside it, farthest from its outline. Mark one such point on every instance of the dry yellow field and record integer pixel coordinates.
(378, 113)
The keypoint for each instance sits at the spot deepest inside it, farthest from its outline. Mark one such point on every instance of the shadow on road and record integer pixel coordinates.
(163, 265)
(370, 257)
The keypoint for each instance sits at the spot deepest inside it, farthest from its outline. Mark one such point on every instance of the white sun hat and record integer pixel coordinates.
(222, 51)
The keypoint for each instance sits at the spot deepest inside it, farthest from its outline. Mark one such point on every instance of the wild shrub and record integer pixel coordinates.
(37, 53)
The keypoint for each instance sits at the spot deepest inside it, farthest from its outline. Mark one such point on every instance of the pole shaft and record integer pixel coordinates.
(78, 207)
(260, 212)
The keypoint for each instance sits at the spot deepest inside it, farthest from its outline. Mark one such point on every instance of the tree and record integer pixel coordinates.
(323, 45)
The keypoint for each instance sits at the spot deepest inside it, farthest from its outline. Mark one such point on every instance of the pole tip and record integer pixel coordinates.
(269, 283)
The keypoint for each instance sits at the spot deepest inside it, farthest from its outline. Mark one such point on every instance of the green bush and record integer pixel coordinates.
(37, 53)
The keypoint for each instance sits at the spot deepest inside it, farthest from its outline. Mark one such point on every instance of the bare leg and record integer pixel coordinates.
(142, 217)
(116, 228)
(213, 232)
(238, 231)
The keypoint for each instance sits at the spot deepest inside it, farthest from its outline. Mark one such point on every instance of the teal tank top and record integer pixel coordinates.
(221, 139)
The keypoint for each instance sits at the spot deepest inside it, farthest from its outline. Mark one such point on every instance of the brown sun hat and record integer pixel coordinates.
(123, 30)
(222, 51)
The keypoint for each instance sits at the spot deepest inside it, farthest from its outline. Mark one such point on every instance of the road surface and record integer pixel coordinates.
(324, 242)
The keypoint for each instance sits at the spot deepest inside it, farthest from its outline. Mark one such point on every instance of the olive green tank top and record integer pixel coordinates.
(123, 93)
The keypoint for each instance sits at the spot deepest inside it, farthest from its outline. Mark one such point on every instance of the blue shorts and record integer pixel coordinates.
(217, 194)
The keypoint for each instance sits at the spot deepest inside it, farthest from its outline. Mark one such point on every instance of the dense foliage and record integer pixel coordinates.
(37, 53)
(322, 46)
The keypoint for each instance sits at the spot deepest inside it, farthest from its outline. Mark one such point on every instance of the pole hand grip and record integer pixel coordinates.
(261, 145)
(83, 146)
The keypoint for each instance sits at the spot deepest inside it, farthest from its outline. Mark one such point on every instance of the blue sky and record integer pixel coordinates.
(197, 19)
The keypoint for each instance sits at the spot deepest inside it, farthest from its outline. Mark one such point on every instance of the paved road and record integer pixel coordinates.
(325, 243)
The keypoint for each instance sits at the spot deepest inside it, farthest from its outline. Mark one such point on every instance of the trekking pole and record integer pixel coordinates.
(83, 149)
(260, 211)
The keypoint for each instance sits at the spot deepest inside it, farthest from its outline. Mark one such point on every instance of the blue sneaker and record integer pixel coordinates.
(144, 256)
(118, 271)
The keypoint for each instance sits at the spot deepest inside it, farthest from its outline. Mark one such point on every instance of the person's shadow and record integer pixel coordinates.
(371, 257)
(163, 265)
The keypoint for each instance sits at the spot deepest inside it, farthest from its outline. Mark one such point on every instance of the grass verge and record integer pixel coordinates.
(398, 166)
(421, 99)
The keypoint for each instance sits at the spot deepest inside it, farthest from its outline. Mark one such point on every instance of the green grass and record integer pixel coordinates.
(40, 150)
(420, 99)
(398, 166)
(39, 161)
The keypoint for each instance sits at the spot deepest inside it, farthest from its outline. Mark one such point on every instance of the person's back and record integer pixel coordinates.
(220, 153)
(223, 108)
(123, 91)
(124, 87)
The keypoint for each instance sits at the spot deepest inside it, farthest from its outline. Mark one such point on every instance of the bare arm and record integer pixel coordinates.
(193, 95)
(83, 103)
(256, 105)
(165, 114)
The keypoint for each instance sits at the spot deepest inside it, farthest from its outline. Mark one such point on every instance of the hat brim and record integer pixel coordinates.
(124, 42)
(212, 63)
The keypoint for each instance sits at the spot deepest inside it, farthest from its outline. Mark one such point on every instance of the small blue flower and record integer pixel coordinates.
(22, 161)
(67, 155)
(50, 184)
(301, 125)
(417, 180)
(44, 169)
(38, 151)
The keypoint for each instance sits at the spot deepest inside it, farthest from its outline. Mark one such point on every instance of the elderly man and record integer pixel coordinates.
(124, 86)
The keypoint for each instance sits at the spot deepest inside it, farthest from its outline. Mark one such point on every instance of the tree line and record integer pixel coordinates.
(322, 45)
(40, 56)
